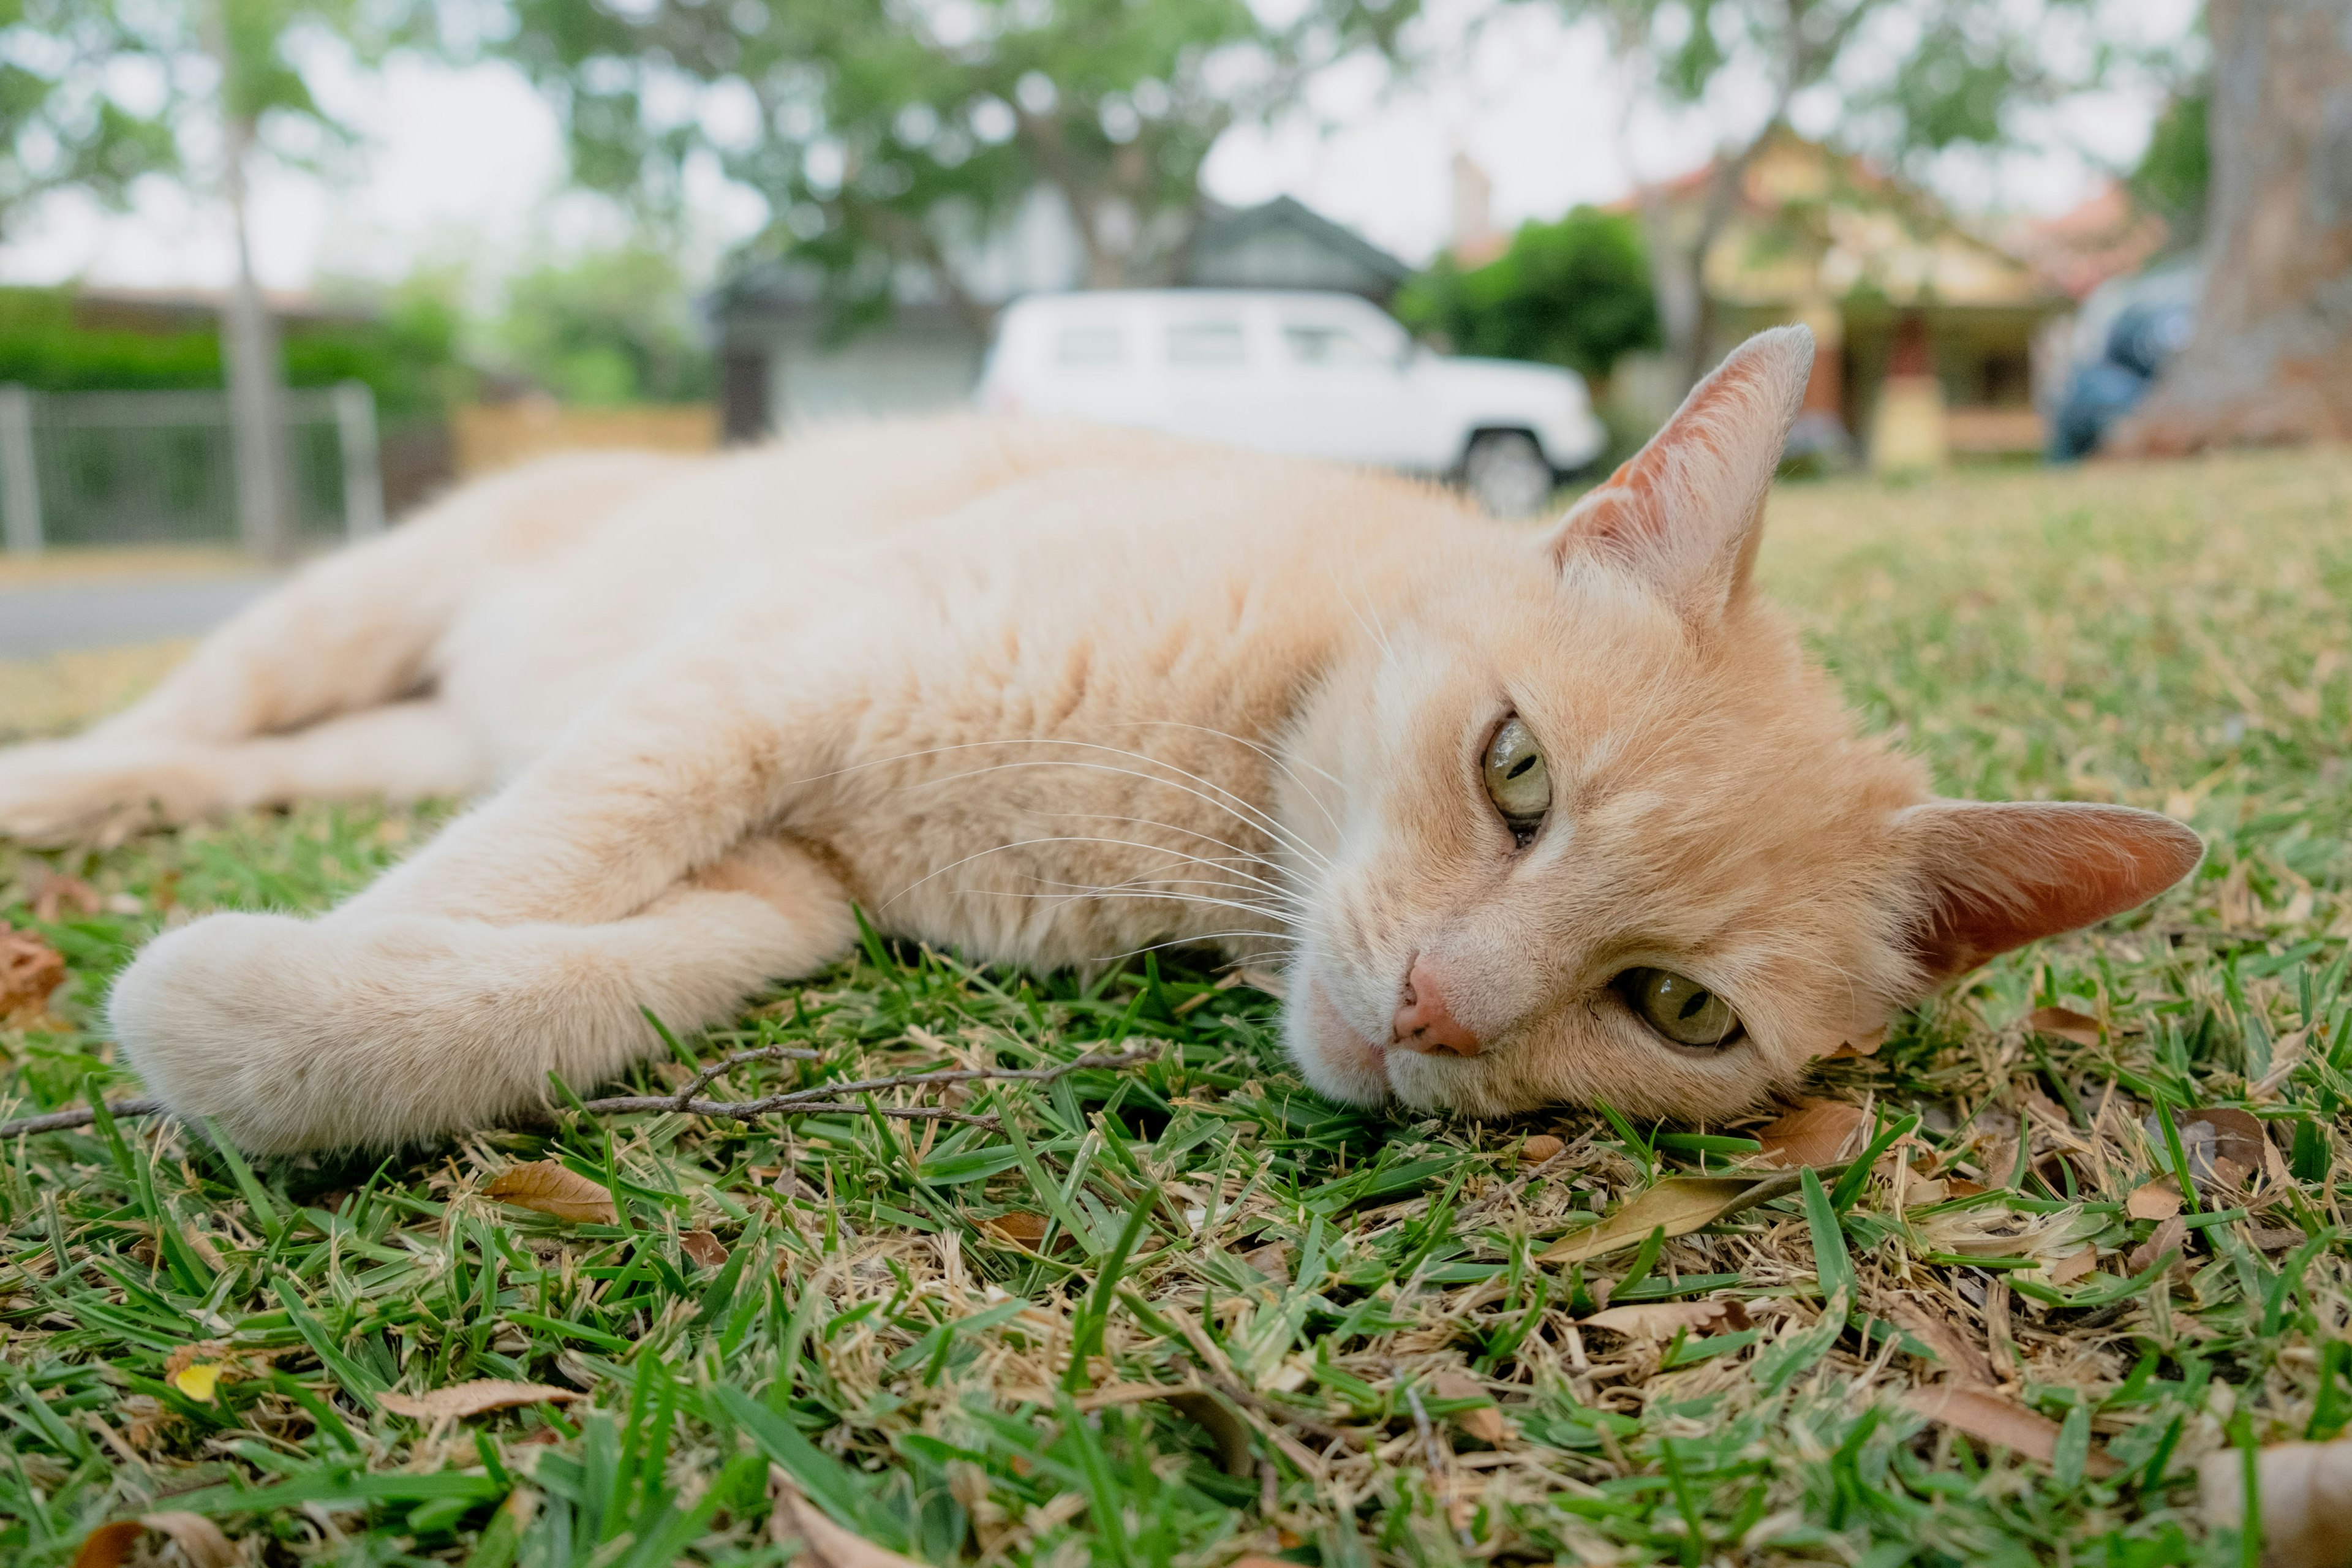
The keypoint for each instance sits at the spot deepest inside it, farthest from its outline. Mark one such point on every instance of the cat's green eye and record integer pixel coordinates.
(1678, 1007)
(1517, 780)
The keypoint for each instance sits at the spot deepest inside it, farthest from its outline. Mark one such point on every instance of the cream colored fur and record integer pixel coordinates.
(1047, 695)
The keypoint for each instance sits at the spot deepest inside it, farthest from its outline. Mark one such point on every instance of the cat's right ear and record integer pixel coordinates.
(1685, 514)
(1997, 875)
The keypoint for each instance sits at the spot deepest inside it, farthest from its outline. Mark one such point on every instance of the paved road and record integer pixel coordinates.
(39, 618)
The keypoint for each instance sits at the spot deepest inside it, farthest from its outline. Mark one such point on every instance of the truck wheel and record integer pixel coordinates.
(1508, 473)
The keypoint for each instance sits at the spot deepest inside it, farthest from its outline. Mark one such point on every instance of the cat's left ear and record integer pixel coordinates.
(1997, 875)
(1686, 512)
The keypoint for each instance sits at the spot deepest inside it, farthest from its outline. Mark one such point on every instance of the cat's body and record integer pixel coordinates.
(1049, 695)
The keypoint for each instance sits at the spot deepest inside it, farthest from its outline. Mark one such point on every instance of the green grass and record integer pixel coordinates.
(1360, 1294)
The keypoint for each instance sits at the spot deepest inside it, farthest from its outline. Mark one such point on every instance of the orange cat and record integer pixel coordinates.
(1529, 818)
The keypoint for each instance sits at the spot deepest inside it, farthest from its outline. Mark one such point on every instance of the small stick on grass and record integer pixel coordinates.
(822, 1099)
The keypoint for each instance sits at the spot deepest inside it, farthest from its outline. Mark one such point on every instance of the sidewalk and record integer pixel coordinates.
(91, 599)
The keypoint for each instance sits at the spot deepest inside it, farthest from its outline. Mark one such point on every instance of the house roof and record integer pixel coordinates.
(1814, 225)
(1226, 227)
(1278, 244)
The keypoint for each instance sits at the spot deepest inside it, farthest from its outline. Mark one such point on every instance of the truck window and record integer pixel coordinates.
(1089, 347)
(1205, 344)
(1328, 346)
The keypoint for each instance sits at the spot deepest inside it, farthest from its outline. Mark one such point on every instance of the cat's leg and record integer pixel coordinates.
(524, 938)
(294, 1035)
(103, 789)
(344, 636)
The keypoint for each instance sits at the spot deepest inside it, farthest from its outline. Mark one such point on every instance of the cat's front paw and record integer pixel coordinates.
(88, 792)
(212, 1018)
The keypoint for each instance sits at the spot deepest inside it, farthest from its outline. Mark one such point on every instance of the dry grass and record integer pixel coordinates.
(949, 1339)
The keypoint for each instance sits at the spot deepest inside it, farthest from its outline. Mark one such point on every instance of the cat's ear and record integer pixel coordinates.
(1998, 876)
(1685, 514)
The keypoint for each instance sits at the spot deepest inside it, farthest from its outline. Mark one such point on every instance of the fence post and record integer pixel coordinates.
(362, 472)
(20, 481)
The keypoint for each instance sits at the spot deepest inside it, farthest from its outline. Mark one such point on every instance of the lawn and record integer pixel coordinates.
(1186, 1312)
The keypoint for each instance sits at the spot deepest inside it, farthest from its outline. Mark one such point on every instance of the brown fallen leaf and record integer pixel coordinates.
(2275, 1238)
(1818, 1132)
(30, 969)
(2169, 1237)
(2065, 1024)
(703, 1247)
(1027, 1230)
(1264, 979)
(2002, 1422)
(1541, 1147)
(2208, 1135)
(463, 1399)
(109, 1545)
(824, 1544)
(554, 1189)
(1227, 1430)
(56, 896)
(200, 1541)
(2066, 1271)
(1958, 1355)
(1485, 1422)
(2306, 1500)
(2159, 1199)
(1662, 1319)
(1679, 1204)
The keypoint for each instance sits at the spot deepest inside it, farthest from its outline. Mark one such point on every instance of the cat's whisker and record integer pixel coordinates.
(1147, 891)
(1273, 830)
(1185, 941)
(1028, 843)
(1242, 856)
(1280, 767)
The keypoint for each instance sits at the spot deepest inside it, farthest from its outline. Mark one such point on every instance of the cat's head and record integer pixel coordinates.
(1592, 827)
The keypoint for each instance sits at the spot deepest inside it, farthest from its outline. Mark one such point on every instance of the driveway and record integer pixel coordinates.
(39, 618)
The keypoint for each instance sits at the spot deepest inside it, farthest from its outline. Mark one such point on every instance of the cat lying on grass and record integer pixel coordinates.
(1527, 817)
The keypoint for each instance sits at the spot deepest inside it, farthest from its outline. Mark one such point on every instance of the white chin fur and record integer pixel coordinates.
(1337, 1062)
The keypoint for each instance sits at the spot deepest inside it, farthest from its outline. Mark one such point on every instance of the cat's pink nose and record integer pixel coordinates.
(1422, 1023)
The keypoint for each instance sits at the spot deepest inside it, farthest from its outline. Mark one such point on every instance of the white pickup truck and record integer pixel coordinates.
(1314, 374)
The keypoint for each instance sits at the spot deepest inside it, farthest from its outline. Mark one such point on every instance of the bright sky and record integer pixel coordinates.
(466, 166)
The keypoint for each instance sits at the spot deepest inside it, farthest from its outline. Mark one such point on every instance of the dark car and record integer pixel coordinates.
(2129, 331)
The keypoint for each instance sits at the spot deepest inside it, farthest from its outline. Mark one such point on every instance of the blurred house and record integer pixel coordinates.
(786, 358)
(1925, 329)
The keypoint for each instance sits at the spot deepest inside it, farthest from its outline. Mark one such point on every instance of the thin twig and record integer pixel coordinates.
(57, 1121)
(821, 1099)
(758, 1053)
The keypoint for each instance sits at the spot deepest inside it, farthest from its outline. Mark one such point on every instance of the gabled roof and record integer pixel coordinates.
(1226, 227)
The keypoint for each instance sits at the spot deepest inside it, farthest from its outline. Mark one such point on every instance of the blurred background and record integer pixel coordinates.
(278, 270)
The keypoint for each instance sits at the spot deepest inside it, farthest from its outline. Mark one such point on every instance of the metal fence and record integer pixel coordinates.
(160, 468)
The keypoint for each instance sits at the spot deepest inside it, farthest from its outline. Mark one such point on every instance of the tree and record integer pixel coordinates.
(60, 124)
(2270, 359)
(1576, 292)
(2173, 179)
(1906, 79)
(262, 96)
(887, 137)
(612, 327)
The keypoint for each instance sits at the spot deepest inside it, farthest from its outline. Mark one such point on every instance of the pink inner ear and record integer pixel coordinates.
(1684, 510)
(2001, 876)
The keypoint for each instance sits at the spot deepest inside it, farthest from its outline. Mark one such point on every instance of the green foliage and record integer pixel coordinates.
(2174, 173)
(612, 327)
(884, 144)
(1575, 292)
(407, 356)
(60, 123)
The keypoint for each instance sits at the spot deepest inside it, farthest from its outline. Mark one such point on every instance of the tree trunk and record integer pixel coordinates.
(2271, 360)
(1677, 281)
(256, 383)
